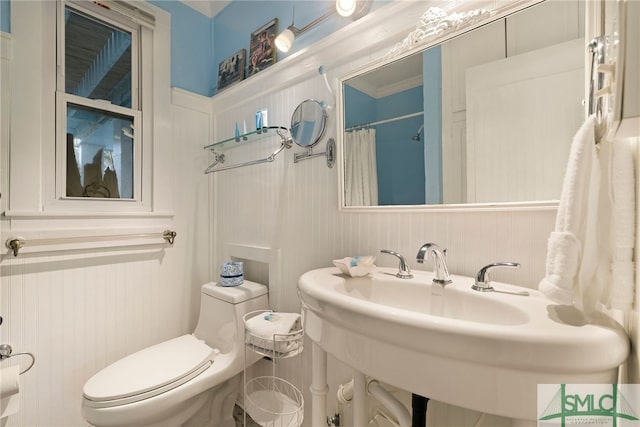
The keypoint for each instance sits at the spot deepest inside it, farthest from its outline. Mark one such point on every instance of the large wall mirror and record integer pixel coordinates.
(486, 117)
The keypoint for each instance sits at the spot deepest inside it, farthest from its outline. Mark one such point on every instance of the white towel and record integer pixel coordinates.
(590, 253)
(269, 331)
(566, 250)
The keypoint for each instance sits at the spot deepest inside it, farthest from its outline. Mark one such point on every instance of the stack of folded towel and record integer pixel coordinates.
(277, 332)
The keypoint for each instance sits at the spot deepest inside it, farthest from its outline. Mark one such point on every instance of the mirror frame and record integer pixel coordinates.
(394, 54)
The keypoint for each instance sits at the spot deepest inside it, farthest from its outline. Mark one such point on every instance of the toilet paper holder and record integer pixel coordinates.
(6, 352)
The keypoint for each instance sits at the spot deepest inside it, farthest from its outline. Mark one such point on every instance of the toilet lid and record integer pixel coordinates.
(150, 372)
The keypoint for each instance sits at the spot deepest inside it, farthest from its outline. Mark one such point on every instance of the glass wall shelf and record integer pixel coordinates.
(249, 136)
(270, 131)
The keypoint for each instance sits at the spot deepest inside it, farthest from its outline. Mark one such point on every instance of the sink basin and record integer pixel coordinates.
(485, 351)
(417, 297)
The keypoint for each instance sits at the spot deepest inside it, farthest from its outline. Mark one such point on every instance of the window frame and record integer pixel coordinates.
(141, 81)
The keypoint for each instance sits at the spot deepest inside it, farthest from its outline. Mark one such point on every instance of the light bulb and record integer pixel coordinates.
(345, 7)
(285, 40)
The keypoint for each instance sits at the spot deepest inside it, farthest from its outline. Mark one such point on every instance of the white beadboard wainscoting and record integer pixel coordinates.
(78, 311)
(78, 315)
(294, 207)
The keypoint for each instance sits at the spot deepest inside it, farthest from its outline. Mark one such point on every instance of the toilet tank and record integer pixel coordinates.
(220, 322)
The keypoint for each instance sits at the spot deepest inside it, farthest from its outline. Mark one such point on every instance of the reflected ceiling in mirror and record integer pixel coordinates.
(484, 118)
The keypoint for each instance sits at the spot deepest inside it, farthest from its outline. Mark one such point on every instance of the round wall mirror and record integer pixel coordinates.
(308, 123)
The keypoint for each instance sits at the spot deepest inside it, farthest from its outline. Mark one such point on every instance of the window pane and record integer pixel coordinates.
(99, 153)
(97, 59)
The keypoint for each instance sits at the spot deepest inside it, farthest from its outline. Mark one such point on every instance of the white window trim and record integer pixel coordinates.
(55, 198)
(30, 196)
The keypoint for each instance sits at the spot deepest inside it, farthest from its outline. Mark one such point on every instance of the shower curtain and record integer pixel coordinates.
(361, 176)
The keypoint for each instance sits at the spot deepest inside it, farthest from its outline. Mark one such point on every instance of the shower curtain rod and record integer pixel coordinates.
(379, 122)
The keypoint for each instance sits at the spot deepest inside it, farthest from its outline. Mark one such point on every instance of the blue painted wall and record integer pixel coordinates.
(359, 107)
(233, 26)
(199, 43)
(5, 16)
(191, 48)
(401, 173)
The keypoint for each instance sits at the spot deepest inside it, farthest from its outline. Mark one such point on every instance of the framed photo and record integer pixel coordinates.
(231, 70)
(262, 50)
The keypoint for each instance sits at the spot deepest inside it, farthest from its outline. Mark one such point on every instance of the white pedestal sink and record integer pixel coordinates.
(485, 351)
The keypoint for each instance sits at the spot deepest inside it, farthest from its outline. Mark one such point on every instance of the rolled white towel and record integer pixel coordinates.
(270, 331)
(563, 255)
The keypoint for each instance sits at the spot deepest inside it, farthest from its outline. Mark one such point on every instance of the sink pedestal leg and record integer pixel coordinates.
(319, 387)
(359, 399)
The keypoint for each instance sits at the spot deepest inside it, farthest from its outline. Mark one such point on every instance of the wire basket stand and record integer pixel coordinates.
(270, 400)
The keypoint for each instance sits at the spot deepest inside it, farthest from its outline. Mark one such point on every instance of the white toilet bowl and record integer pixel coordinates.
(192, 380)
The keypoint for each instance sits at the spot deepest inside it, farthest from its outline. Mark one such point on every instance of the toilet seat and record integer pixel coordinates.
(149, 372)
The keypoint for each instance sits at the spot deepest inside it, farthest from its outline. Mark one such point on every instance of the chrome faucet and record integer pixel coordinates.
(404, 272)
(431, 250)
(483, 282)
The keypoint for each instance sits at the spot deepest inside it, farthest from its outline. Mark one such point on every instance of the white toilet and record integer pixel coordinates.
(192, 380)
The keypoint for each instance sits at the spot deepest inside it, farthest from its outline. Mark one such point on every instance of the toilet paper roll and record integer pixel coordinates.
(9, 391)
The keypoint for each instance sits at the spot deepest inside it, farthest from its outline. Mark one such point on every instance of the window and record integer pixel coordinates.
(98, 104)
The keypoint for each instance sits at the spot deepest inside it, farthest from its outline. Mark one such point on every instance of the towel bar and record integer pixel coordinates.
(17, 243)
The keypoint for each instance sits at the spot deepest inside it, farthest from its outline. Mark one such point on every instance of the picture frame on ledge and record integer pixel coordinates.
(262, 48)
(231, 70)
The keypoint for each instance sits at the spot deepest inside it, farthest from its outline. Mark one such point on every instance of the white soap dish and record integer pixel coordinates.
(356, 266)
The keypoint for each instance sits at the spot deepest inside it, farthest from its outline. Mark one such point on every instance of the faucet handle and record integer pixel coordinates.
(483, 282)
(404, 271)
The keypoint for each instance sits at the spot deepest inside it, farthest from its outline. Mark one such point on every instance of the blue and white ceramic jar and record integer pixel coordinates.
(231, 274)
